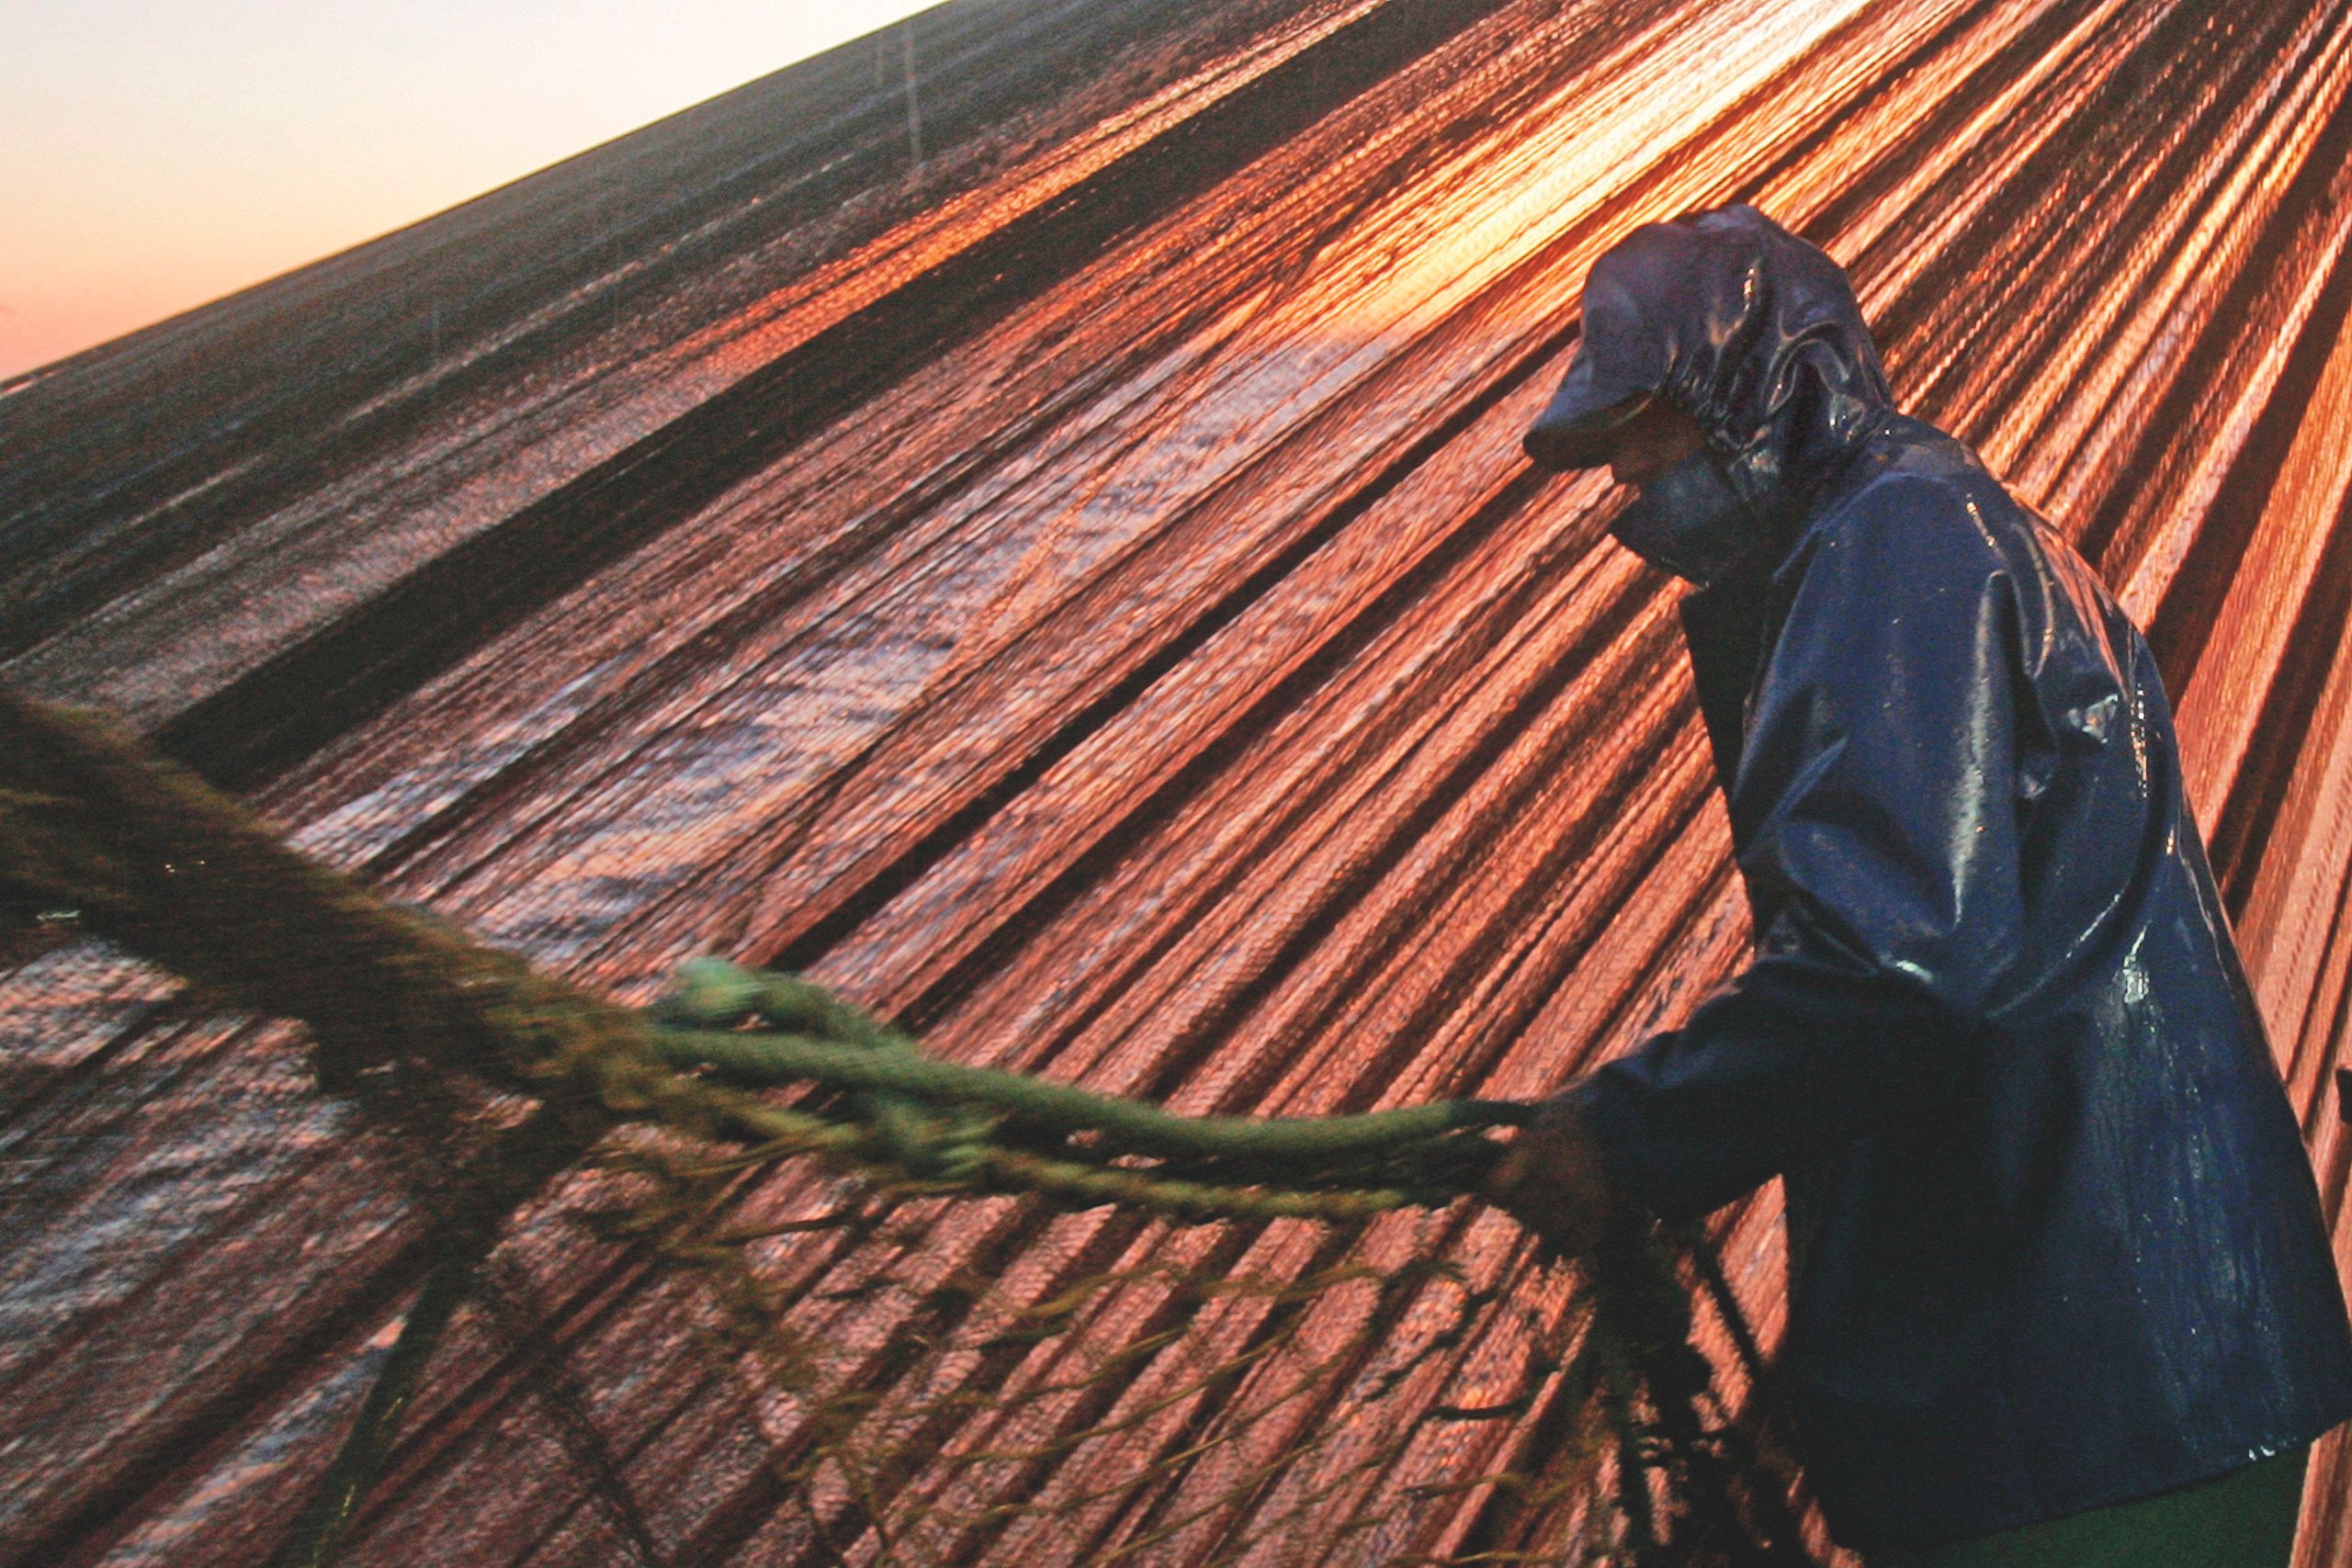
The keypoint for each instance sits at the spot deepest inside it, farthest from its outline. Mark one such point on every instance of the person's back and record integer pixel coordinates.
(2054, 1241)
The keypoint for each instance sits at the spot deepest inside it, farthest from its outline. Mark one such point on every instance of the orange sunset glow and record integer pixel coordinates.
(162, 155)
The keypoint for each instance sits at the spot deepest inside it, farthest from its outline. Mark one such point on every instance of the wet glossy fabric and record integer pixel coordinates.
(2055, 1240)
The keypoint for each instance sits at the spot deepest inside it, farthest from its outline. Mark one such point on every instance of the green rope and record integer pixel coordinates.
(765, 1058)
(96, 836)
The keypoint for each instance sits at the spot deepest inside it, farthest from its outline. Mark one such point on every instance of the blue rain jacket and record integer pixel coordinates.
(2054, 1241)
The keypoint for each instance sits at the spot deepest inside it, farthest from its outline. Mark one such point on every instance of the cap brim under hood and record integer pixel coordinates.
(1578, 428)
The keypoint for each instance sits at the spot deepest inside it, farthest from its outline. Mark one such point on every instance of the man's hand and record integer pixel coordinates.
(1549, 1179)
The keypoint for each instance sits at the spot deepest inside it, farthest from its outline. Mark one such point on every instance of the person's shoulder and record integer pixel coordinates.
(1916, 510)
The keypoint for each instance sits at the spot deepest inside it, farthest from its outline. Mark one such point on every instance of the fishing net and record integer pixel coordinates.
(1239, 1329)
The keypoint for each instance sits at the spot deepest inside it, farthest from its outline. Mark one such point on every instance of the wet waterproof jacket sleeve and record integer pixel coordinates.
(1875, 812)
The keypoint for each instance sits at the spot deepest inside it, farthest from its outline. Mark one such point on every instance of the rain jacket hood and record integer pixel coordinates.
(2054, 1241)
(1742, 325)
(1755, 335)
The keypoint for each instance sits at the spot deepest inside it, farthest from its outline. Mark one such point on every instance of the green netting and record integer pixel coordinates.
(1239, 1329)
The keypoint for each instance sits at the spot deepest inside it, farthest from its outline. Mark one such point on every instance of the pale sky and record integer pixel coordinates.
(158, 153)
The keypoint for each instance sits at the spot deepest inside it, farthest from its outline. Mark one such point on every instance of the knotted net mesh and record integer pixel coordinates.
(976, 1305)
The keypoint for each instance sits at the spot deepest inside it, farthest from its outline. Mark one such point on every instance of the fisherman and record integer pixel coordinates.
(2060, 1290)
